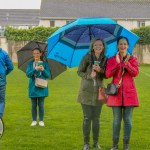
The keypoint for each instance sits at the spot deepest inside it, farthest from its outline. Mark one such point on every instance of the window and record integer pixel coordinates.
(141, 23)
(68, 21)
(52, 23)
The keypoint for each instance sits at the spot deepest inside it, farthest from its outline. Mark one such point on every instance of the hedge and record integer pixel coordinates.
(42, 33)
(144, 34)
(34, 34)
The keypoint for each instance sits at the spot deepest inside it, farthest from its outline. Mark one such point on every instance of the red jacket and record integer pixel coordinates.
(127, 94)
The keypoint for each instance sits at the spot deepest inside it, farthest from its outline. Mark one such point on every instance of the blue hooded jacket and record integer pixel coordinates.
(6, 66)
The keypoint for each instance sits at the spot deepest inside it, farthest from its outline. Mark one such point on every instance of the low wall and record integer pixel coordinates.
(4, 44)
(13, 47)
(142, 52)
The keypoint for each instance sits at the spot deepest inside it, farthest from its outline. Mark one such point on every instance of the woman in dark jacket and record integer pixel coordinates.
(91, 70)
(126, 99)
(37, 94)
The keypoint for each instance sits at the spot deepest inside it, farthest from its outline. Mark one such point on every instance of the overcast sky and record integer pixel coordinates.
(20, 4)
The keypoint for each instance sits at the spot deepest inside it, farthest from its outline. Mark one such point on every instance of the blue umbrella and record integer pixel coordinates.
(71, 42)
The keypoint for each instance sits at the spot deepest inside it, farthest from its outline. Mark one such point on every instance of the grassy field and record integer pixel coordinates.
(63, 116)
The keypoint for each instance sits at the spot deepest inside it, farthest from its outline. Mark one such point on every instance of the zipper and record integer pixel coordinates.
(122, 93)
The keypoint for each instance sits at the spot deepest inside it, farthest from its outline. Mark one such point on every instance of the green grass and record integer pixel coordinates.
(63, 116)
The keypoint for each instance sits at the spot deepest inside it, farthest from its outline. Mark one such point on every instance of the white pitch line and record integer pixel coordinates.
(145, 73)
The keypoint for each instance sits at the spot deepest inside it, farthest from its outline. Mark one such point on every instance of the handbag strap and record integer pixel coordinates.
(120, 81)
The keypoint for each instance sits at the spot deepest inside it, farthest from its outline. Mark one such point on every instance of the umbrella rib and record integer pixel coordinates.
(25, 61)
(75, 46)
(45, 50)
(106, 31)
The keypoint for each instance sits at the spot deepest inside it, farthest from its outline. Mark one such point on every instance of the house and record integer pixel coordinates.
(128, 13)
(18, 18)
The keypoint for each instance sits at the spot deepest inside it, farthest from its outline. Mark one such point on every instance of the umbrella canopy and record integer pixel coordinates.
(71, 42)
(25, 54)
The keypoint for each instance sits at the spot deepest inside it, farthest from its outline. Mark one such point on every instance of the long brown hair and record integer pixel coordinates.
(92, 43)
(39, 51)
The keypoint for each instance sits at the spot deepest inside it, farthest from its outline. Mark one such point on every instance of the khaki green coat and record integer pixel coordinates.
(88, 93)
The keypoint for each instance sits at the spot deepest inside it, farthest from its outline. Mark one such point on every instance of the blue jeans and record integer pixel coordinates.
(126, 114)
(40, 102)
(2, 99)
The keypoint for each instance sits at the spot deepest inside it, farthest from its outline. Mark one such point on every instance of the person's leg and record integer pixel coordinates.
(2, 99)
(96, 124)
(127, 117)
(41, 108)
(34, 108)
(87, 112)
(117, 117)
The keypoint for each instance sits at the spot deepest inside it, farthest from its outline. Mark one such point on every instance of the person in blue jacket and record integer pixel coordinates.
(37, 94)
(6, 66)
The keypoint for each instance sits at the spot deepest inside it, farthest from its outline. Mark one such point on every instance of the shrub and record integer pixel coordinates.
(34, 34)
(144, 34)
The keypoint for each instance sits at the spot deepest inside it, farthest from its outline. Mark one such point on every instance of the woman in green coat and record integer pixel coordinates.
(91, 70)
(37, 94)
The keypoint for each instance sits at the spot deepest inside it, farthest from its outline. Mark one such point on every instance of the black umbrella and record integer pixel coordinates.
(25, 54)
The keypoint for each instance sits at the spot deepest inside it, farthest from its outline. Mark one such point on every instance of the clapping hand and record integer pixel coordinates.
(117, 58)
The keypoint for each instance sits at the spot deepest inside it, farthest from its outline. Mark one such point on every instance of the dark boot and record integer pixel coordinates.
(86, 133)
(115, 147)
(96, 145)
(115, 144)
(86, 147)
(126, 145)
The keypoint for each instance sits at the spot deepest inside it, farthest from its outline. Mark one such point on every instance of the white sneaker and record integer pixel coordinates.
(41, 123)
(33, 123)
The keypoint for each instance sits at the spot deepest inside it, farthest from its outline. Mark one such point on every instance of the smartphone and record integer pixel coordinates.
(40, 63)
(96, 62)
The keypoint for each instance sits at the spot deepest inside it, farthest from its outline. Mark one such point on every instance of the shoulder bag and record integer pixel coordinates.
(112, 88)
(102, 97)
(40, 83)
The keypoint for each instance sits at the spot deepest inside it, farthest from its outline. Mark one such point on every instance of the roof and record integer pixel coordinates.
(19, 16)
(119, 9)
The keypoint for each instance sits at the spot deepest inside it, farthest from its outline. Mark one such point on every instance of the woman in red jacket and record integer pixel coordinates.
(126, 99)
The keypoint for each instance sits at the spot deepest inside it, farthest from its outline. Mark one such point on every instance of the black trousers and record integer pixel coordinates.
(91, 118)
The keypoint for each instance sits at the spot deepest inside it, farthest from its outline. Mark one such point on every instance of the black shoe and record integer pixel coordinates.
(115, 147)
(86, 147)
(96, 145)
(126, 147)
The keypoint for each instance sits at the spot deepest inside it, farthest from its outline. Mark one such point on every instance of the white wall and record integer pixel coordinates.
(60, 23)
(131, 24)
(147, 23)
(128, 24)
(146, 54)
(44, 23)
